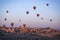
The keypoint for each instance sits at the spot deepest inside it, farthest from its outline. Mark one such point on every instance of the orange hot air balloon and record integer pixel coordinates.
(34, 7)
(38, 15)
(27, 12)
(24, 25)
(6, 11)
(50, 19)
(47, 4)
(12, 24)
(5, 19)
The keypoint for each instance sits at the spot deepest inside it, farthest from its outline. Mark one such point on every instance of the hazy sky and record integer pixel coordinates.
(17, 11)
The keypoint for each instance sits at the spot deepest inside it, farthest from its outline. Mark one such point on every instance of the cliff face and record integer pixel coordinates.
(37, 31)
(24, 33)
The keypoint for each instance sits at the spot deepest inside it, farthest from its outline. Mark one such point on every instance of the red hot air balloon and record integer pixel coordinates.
(38, 15)
(34, 7)
(27, 12)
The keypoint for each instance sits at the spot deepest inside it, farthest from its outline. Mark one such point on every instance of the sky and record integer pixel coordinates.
(17, 11)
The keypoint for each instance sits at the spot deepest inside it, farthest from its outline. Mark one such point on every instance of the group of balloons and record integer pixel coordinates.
(27, 12)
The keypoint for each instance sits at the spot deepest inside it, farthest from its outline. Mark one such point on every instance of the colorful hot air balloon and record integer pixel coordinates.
(27, 12)
(38, 15)
(50, 19)
(47, 4)
(34, 7)
(6, 11)
(12, 24)
(5, 19)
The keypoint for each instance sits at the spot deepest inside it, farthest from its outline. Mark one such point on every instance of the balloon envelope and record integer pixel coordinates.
(47, 4)
(50, 19)
(7, 11)
(5, 19)
(41, 18)
(38, 15)
(12, 24)
(27, 12)
(34, 7)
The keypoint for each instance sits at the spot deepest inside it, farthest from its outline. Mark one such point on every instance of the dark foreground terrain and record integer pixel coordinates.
(10, 36)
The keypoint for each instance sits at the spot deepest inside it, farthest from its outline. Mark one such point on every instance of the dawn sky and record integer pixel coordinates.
(17, 11)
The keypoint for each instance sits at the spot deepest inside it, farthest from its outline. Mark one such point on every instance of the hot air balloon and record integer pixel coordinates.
(27, 12)
(38, 15)
(50, 19)
(19, 19)
(41, 18)
(5, 19)
(24, 25)
(34, 7)
(6, 11)
(3, 25)
(47, 4)
(12, 24)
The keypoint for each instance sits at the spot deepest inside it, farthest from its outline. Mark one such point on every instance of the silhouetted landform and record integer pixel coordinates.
(26, 33)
